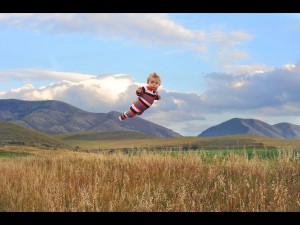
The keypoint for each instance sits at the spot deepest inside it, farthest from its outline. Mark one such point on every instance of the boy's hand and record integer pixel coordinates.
(157, 97)
(139, 91)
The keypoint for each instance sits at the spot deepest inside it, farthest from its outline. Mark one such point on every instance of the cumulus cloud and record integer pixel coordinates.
(148, 29)
(182, 106)
(275, 92)
(99, 93)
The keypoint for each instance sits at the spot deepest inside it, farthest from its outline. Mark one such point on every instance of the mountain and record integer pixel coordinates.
(289, 130)
(252, 126)
(12, 134)
(56, 117)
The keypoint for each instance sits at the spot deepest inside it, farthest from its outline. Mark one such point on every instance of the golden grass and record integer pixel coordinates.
(148, 181)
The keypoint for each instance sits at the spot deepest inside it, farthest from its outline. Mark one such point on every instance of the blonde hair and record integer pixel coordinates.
(155, 76)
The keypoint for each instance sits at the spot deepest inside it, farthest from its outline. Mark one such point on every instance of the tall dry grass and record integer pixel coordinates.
(148, 181)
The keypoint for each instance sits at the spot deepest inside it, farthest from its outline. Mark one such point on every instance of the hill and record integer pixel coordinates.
(56, 117)
(288, 130)
(252, 126)
(12, 134)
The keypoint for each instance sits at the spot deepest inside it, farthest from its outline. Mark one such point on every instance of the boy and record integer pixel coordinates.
(147, 95)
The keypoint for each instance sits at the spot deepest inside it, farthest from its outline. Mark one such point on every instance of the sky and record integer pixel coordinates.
(213, 66)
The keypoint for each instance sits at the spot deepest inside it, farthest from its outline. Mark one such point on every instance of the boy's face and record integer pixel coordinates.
(153, 83)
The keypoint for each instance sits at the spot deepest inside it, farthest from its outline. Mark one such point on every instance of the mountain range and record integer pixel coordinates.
(56, 117)
(253, 126)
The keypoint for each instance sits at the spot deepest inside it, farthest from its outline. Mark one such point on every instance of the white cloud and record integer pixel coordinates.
(289, 67)
(250, 69)
(275, 91)
(143, 28)
(25, 88)
(100, 93)
(33, 74)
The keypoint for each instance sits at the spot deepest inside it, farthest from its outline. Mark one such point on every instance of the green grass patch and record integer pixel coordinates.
(13, 154)
(250, 153)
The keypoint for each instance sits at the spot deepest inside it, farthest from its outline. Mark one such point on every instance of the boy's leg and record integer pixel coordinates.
(122, 116)
(131, 112)
(127, 114)
(139, 113)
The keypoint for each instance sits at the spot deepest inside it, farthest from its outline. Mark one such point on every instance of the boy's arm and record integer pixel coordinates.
(157, 97)
(139, 91)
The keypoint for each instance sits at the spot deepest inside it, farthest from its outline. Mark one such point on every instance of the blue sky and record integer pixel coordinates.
(213, 66)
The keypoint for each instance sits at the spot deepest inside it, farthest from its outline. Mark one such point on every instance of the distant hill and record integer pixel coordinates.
(252, 126)
(289, 130)
(56, 117)
(12, 134)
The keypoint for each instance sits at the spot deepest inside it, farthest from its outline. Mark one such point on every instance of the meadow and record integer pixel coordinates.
(231, 142)
(223, 180)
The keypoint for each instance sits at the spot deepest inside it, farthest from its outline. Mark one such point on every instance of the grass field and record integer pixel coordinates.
(178, 181)
(184, 143)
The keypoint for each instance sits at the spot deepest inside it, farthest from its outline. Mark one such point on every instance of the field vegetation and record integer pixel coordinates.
(228, 180)
(86, 142)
